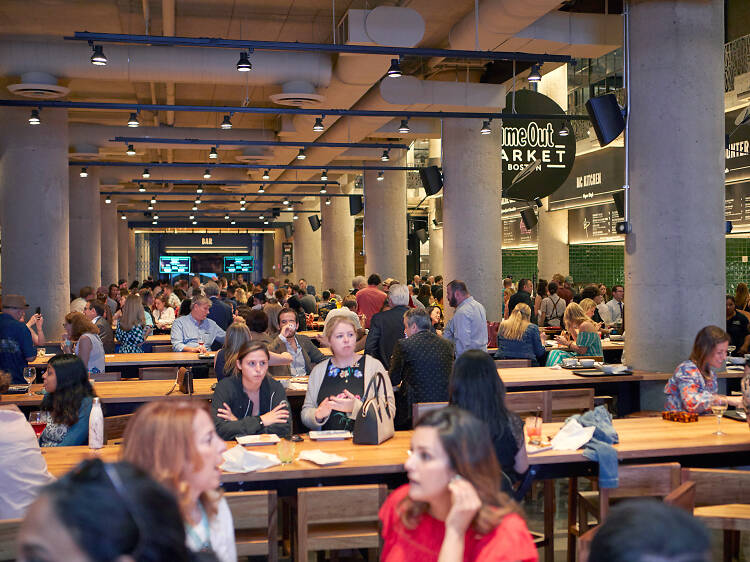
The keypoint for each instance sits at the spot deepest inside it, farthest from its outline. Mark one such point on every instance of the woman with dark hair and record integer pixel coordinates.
(184, 307)
(452, 508)
(694, 383)
(476, 388)
(67, 403)
(102, 512)
(251, 402)
(424, 294)
(541, 292)
(436, 317)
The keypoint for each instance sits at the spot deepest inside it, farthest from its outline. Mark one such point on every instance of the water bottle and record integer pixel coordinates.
(96, 426)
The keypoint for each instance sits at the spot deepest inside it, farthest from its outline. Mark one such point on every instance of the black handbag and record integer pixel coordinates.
(374, 422)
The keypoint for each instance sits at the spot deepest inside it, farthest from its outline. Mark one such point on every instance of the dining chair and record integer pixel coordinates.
(255, 523)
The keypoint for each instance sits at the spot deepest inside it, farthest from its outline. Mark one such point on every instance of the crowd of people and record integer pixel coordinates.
(458, 502)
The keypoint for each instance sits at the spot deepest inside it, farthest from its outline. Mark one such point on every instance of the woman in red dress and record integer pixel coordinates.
(452, 509)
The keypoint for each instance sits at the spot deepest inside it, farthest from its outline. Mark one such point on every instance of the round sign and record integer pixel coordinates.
(535, 144)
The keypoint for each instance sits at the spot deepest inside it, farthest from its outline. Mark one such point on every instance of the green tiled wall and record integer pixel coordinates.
(519, 263)
(597, 263)
(737, 270)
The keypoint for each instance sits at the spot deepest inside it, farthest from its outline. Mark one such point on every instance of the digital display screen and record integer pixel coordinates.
(239, 264)
(174, 264)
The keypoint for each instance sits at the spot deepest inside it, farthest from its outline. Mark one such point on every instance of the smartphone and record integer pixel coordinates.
(38, 310)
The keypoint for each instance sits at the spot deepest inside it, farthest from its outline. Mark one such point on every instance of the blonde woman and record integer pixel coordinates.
(518, 338)
(132, 330)
(88, 346)
(240, 295)
(742, 299)
(582, 337)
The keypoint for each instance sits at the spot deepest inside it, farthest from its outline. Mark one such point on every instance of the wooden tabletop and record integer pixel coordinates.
(387, 458)
(142, 359)
(730, 517)
(158, 339)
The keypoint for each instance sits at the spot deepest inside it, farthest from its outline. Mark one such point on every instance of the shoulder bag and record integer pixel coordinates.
(374, 421)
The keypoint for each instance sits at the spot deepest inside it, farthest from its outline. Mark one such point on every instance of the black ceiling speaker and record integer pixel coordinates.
(432, 179)
(276, 212)
(606, 117)
(421, 233)
(288, 231)
(528, 216)
(356, 204)
(619, 198)
(314, 222)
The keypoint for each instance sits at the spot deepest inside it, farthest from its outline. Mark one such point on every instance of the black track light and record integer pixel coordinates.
(485, 130)
(98, 58)
(84, 173)
(318, 127)
(386, 156)
(404, 127)
(395, 70)
(244, 65)
(130, 151)
(535, 75)
(266, 175)
(34, 118)
(133, 120)
(227, 123)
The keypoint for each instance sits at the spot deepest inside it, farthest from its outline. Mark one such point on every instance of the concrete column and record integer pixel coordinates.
(675, 251)
(85, 229)
(109, 243)
(278, 238)
(122, 249)
(337, 245)
(472, 231)
(385, 221)
(131, 256)
(306, 251)
(268, 249)
(436, 242)
(552, 239)
(34, 211)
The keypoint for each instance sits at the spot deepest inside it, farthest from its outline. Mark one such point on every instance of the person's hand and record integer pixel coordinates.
(278, 415)
(322, 340)
(735, 401)
(343, 402)
(323, 410)
(742, 350)
(287, 331)
(465, 504)
(225, 413)
(202, 349)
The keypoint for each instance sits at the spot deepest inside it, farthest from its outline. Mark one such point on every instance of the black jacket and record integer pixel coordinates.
(386, 328)
(230, 390)
(520, 296)
(106, 334)
(310, 352)
(221, 313)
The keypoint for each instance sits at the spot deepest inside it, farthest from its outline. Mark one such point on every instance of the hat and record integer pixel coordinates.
(14, 301)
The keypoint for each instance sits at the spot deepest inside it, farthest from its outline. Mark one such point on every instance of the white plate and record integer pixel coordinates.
(330, 435)
(261, 439)
(736, 360)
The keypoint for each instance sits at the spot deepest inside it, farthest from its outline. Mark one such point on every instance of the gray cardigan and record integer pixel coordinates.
(372, 367)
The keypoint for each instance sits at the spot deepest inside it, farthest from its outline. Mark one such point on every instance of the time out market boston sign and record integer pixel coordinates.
(527, 140)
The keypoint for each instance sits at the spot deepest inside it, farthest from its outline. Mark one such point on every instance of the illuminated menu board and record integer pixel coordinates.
(239, 264)
(174, 264)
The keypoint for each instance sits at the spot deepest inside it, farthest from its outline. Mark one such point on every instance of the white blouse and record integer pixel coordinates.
(221, 535)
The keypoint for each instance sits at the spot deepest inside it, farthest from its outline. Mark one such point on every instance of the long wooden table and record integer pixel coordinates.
(142, 359)
(158, 339)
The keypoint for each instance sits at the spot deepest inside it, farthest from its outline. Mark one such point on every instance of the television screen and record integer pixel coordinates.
(174, 264)
(239, 264)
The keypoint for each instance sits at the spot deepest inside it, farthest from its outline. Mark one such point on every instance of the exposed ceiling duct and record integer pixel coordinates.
(38, 85)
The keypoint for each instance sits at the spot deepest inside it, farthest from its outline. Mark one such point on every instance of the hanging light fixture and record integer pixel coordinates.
(213, 155)
(141, 188)
(301, 154)
(266, 175)
(226, 217)
(154, 222)
(195, 208)
(380, 176)
(328, 201)
(153, 200)
(318, 127)
(108, 200)
(242, 208)
(227, 123)
(404, 127)
(324, 175)
(133, 120)
(130, 151)
(261, 189)
(195, 222)
(265, 222)
(385, 156)
(198, 200)
(192, 217)
(146, 173)
(233, 222)
(199, 190)
(207, 174)
(395, 70)
(323, 189)
(98, 58)
(286, 201)
(485, 130)
(244, 65)
(261, 217)
(242, 201)
(123, 217)
(150, 207)
(295, 216)
(563, 132)
(34, 118)
(156, 217)
(84, 173)
(535, 75)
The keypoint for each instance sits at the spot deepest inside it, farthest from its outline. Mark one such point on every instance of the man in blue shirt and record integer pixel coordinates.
(468, 327)
(16, 345)
(196, 332)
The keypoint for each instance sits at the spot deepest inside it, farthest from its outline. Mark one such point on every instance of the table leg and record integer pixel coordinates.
(572, 515)
(549, 520)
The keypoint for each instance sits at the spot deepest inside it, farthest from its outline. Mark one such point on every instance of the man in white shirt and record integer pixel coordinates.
(468, 327)
(615, 309)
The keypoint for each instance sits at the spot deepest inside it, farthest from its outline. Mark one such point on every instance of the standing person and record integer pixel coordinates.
(468, 327)
(424, 294)
(541, 292)
(220, 312)
(452, 508)
(81, 331)
(67, 404)
(370, 299)
(305, 355)
(16, 344)
(387, 327)
(615, 309)
(195, 332)
(552, 308)
(94, 312)
(132, 330)
(737, 328)
(336, 386)
(563, 287)
(358, 283)
(306, 300)
(175, 441)
(525, 286)
(113, 298)
(421, 364)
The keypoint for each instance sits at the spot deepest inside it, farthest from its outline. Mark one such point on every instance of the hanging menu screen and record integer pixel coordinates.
(239, 264)
(174, 264)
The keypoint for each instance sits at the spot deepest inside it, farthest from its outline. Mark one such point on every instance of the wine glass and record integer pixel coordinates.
(29, 375)
(201, 343)
(38, 422)
(718, 407)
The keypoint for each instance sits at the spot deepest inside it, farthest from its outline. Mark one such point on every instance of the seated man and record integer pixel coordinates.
(305, 355)
(94, 311)
(195, 332)
(421, 364)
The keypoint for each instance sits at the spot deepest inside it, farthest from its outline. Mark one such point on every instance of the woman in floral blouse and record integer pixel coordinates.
(131, 327)
(693, 384)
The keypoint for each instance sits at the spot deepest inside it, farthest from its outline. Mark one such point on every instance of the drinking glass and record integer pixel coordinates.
(201, 342)
(38, 422)
(534, 430)
(29, 375)
(718, 407)
(285, 450)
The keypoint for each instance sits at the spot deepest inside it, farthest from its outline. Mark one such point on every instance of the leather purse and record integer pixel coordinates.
(374, 422)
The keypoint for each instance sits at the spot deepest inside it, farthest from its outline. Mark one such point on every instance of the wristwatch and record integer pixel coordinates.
(260, 421)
